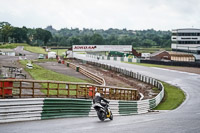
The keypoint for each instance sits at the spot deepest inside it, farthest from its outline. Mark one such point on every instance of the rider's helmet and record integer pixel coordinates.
(97, 94)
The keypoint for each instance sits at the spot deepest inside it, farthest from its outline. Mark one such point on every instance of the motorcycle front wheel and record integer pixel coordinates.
(101, 115)
(111, 116)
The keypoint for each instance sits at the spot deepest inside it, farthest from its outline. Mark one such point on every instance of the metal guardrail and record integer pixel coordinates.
(88, 74)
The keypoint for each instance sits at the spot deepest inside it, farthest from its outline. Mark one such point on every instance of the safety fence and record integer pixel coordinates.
(24, 88)
(46, 108)
(102, 57)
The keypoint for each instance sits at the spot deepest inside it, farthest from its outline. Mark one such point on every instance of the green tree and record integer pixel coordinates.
(42, 35)
(97, 39)
(47, 36)
(74, 41)
(19, 34)
(5, 31)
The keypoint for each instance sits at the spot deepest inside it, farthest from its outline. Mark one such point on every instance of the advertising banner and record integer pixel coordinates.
(93, 48)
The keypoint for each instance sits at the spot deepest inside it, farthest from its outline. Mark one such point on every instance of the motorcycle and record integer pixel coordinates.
(102, 113)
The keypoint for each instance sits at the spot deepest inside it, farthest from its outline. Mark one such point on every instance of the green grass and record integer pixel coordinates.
(173, 95)
(40, 73)
(172, 99)
(12, 45)
(45, 60)
(150, 50)
(38, 50)
(60, 51)
(149, 65)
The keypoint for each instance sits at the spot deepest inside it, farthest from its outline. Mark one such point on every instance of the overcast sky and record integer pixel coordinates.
(102, 14)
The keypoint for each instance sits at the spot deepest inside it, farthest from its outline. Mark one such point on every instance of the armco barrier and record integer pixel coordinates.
(83, 71)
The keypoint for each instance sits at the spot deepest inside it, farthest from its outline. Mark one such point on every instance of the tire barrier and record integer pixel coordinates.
(60, 107)
(12, 110)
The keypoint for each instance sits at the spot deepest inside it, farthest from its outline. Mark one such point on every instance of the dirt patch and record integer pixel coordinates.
(116, 79)
(63, 69)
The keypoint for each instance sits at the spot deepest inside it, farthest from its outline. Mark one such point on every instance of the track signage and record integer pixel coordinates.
(93, 48)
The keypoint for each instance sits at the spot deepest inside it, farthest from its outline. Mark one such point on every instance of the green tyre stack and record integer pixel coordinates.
(60, 108)
(128, 107)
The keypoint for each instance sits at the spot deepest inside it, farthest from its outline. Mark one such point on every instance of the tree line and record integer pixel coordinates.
(137, 38)
(35, 37)
(75, 36)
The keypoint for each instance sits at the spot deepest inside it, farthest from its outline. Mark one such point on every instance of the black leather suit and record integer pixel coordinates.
(98, 99)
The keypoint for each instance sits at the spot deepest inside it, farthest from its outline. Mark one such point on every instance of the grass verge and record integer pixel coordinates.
(12, 45)
(173, 95)
(150, 50)
(172, 99)
(40, 73)
(59, 51)
(44, 60)
(38, 50)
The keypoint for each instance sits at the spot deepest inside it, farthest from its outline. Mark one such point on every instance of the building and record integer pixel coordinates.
(8, 52)
(172, 56)
(186, 40)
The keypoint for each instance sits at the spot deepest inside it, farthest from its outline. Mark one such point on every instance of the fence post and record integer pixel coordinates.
(68, 91)
(58, 89)
(120, 94)
(20, 89)
(48, 89)
(110, 90)
(3, 89)
(76, 91)
(86, 92)
(93, 92)
(33, 91)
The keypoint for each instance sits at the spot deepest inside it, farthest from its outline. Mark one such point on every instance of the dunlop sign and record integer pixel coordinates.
(93, 48)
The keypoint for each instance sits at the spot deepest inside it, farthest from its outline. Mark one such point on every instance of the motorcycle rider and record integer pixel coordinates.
(99, 99)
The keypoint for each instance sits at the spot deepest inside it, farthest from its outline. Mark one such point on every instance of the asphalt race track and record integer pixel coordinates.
(184, 119)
